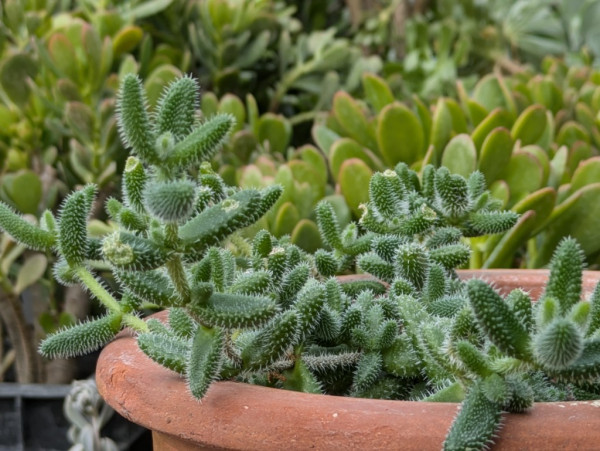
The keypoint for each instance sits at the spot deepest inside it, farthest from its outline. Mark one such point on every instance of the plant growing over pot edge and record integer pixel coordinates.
(260, 316)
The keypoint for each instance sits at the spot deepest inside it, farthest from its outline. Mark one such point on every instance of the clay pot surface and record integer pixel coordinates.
(246, 417)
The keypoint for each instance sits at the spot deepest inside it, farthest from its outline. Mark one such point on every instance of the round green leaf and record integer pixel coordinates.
(400, 135)
(460, 156)
(354, 177)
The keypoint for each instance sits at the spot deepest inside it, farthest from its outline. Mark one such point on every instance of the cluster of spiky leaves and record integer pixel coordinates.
(457, 341)
(173, 209)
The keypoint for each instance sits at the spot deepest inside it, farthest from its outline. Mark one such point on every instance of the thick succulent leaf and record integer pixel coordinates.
(566, 269)
(133, 119)
(497, 320)
(170, 201)
(166, 350)
(82, 338)
(201, 144)
(475, 424)
(234, 311)
(205, 359)
(215, 223)
(23, 231)
(559, 344)
(151, 286)
(177, 108)
(73, 239)
(272, 341)
(133, 253)
(181, 323)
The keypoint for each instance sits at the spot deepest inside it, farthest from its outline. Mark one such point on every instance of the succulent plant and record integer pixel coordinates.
(233, 42)
(271, 314)
(259, 154)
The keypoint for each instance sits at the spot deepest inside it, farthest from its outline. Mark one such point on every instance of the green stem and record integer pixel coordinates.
(96, 288)
(174, 264)
(179, 278)
(135, 322)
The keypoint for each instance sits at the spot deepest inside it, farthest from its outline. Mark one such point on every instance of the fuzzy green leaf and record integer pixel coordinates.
(133, 253)
(205, 359)
(326, 263)
(566, 268)
(177, 108)
(586, 368)
(521, 305)
(151, 286)
(452, 193)
(308, 304)
(201, 144)
(383, 194)
(81, 338)
(368, 370)
(373, 264)
(412, 263)
(490, 222)
(472, 358)
(475, 424)
(73, 239)
(559, 344)
(255, 282)
(328, 225)
(181, 323)
(497, 320)
(170, 201)
(451, 256)
(272, 341)
(166, 350)
(215, 223)
(133, 119)
(443, 236)
(23, 231)
(234, 311)
(292, 283)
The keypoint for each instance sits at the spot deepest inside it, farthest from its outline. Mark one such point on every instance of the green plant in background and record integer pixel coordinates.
(259, 155)
(233, 42)
(428, 46)
(260, 47)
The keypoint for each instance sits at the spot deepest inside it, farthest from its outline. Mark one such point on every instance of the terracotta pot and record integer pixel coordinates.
(246, 417)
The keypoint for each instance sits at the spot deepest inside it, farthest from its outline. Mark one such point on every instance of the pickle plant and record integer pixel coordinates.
(457, 341)
(269, 313)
